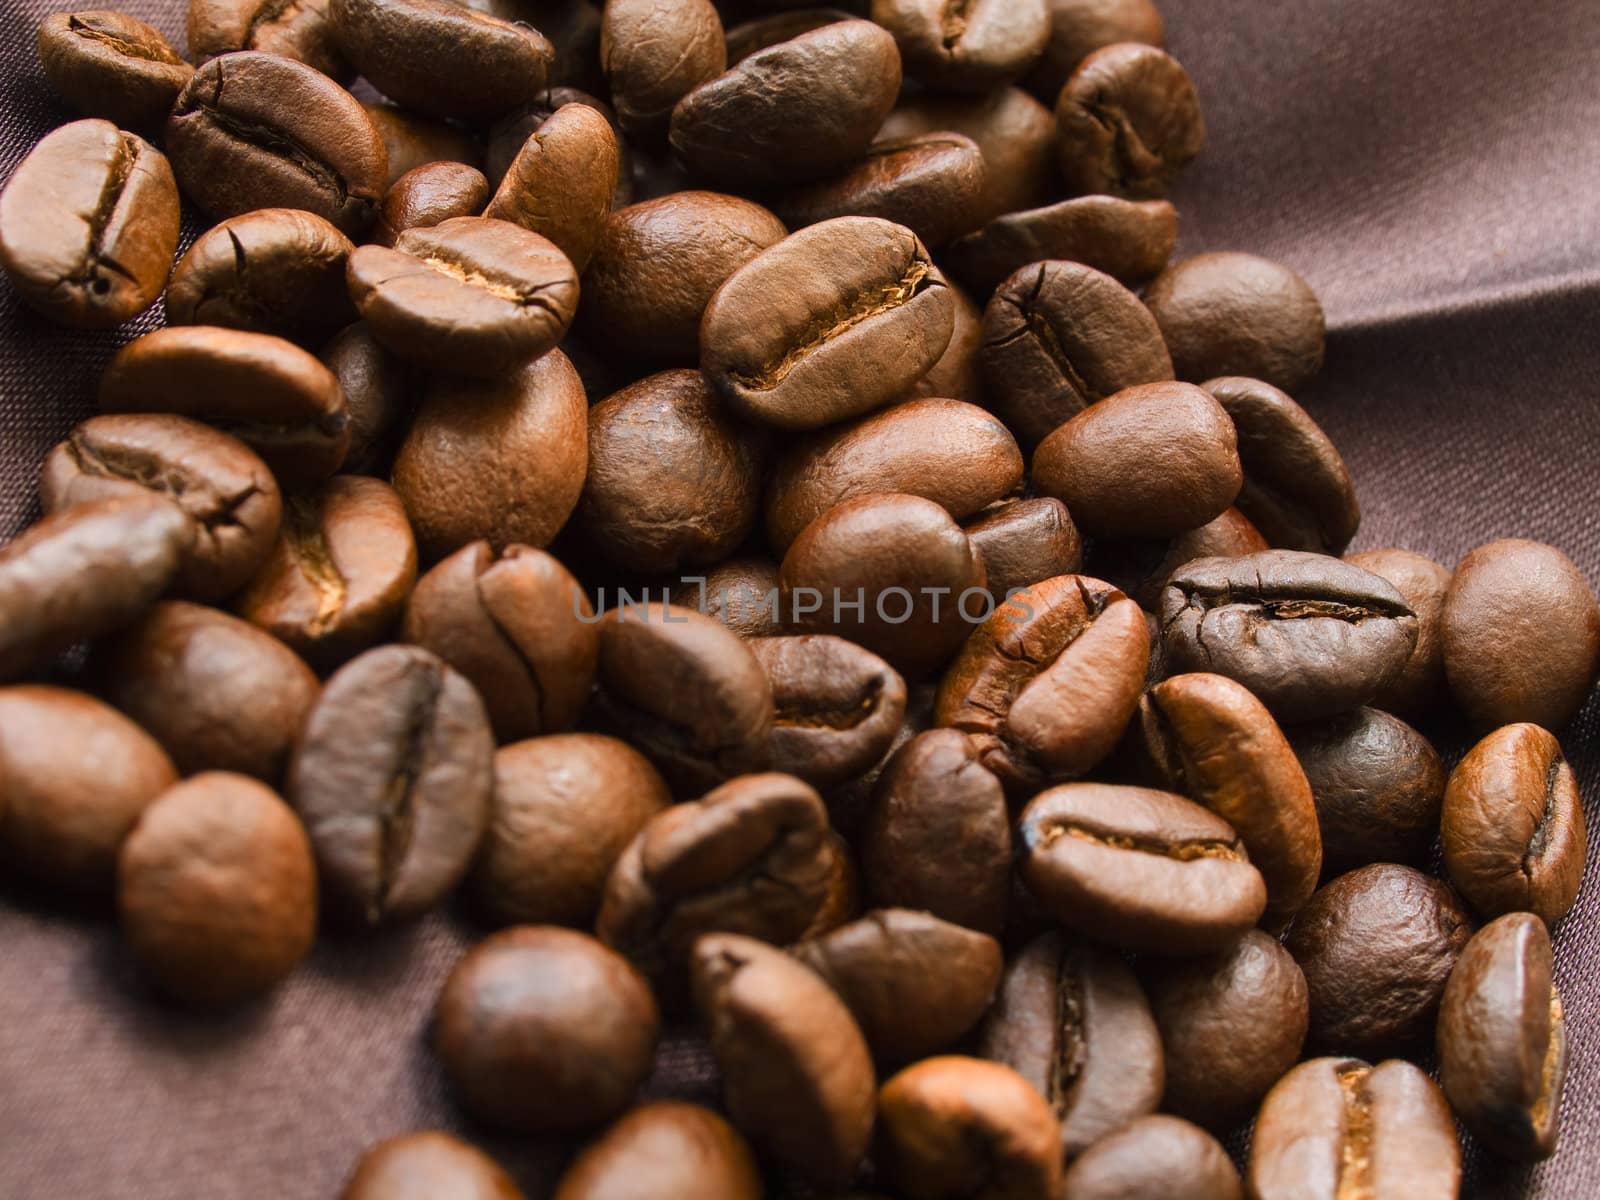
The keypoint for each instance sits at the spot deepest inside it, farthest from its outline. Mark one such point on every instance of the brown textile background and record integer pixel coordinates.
(1433, 169)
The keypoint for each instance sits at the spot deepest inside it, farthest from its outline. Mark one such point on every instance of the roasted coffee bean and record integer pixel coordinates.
(440, 58)
(378, 392)
(1047, 684)
(1521, 635)
(1215, 743)
(501, 459)
(904, 565)
(217, 890)
(508, 135)
(750, 857)
(955, 454)
(796, 1074)
(836, 706)
(413, 141)
(1311, 636)
(659, 263)
(1013, 130)
(1236, 314)
(254, 130)
(428, 195)
(84, 572)
(1513, 826)
(955, 375)
(215, 691)
(1127, 122)
(518, 626)
(298, 29)
(1142, 567)
(686, 692)
(842, 902)
(915, 984)
(270, 394)
(673, 482)
(1232, 1024)
(799, 110)
(1138, 868)
(432, 1163)
(546, 1004)
(1073, 1021)
(962, 1127)
(1024, 542)
(1378, 785)
(564, 809)
(1080, 27)
(1154, 1158)
(1152, 461)
(933, 795)
(472, 295)
(678, 1151)
(1060, 336)
(220, 482)
(110, 65)
(392, 777)
(1337, 1127)
(1423, 583)
(739, 593)
(972, 47)
(76, 775)
(1128, 240)
(654, 53)
(561, 182)
(931, 183)
(1503, 1039)
(1376, 946)
(276, 270)
(88, 224)
(829, 323)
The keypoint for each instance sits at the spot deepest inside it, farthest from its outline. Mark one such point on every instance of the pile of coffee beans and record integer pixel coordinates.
(743, 498)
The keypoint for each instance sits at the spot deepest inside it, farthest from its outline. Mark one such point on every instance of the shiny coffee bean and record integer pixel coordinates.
(1503, 1039)
(1311, 636)
(1024, 542)
(561, 182)
(254, 130)
(955, 375)
(215, 691)
(76, 776)
(1141, 567)
(1521, 635)
(538, 1002)
(432, 1163)
(1335, 1127)
(88, 225)
(1513, 826)
(1074, 1022)
(392, 777)
(1047, 684)
(1376, 946)
(1060, 336)
(1155, 1158)
(1378, 785)
(1080, 27)
(678, 1151)
(110, 65)
(413, 141)
(973, 48)
(502, 459)
(1127, 123)
(915, 984)
(86, 571)
(654, 53)
(739, 593)
(217, 891)
(1423, 583)
(378, 393)
(1236, 314)
(954, 1126)
(302, 31)
(276, 271)
(1152, 461)
(1214, 742)
(796, 1073)
(508, 135)
(429, 195)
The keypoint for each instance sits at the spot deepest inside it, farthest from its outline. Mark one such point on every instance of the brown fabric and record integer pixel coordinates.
(1431, 168)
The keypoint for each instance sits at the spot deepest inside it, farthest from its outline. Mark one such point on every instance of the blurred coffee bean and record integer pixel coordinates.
(111, 65)
(1155, 1157)
(298, 30)
(685, 1152)
(429, 1163)
(1080, 27)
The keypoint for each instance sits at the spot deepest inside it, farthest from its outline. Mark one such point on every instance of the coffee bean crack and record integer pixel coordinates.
(303, 531)
(123, 46)
(397, 813)
(1181, 849)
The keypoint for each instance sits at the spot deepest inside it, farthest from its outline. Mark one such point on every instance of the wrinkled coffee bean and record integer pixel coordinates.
(654, 53)
(1142, 567)
(970, 47)
(217, 891)
(1311, 636)
(1127, 123)
(1152, 1158)
(378, 396)
(1513, 826)
(432, 1163)
(1376, 946)
(1503, 1039)
(1080, 27)
(426, 196)
(88, 225)
(1423, 583)
(546, 1004)
(392, 777)
(679, 1151)
(110, 65)
(1024, 542)
(413, 141)
(1074, 1022)
(739, 593)
(298, 29)
(508, 135)
(561, 182)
